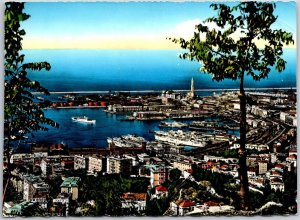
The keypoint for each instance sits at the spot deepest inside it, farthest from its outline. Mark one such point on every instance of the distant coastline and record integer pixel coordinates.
(157, 91)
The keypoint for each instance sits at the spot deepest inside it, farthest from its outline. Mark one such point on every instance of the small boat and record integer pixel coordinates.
(40, 98)
(83, 119)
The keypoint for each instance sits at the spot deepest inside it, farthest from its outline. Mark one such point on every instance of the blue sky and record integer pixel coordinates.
(131, 25)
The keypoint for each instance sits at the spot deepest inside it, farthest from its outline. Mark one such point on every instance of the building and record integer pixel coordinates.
(181, 207)
(17, 179)
(134, 200)
(292, 159)
(182, 165)
(144, 158)
(255, 110)
(169, 95)
(35, 190)
(21, 209)
(262, 167)
(61, 205)
(70, 185)
(252, 171)
(95, 164)
(277, 184)
(22, 159)
(191, 93)
(289, 118)
(80, 162)
(161, 191)
(158, 175)
(119, 165)
(58, 149)
(60, 162)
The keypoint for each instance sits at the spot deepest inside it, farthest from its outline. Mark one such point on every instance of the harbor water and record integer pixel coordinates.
(76, 134)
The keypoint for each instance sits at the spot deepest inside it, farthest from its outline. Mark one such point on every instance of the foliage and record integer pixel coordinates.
(224, 56)
(21, 114)
(107, 190)
(175, 174)
(157, 207)
(242, 42)
(54, 184)
(12, 195)
(227, 153)
(217, 180)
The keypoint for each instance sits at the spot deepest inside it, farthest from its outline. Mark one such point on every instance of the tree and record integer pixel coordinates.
(22, 115)
(175, 174)
(231, 51)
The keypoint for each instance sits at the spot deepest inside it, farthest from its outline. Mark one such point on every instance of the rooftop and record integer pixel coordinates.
(134, 196)
(70, 182)
(32, 178)
(19, 208)
(185, 203)
(161, 188)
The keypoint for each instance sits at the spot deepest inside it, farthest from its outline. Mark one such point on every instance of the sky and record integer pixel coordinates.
(127, 25)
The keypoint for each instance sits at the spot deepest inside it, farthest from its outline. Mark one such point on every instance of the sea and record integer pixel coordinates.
(126, 70)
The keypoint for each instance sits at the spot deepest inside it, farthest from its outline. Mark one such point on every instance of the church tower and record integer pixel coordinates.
(192, 92)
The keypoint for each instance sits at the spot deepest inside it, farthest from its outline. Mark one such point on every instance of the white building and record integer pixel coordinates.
(35, 190)
(289, 118)
(181, 207)
(134, 200)
(95, 164)
(80, 162)
(277, 184)
(182, 165)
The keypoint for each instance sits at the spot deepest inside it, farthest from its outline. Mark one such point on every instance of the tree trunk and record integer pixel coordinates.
(244, 191)
(7, 153)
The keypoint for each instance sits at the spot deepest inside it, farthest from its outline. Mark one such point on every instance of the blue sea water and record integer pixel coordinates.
(124, 70)
(76, 134)
(119, 70)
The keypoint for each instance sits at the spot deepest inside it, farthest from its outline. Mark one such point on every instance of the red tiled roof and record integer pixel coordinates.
(161, 188)
(224, 167)
(67, 162)
(279, 166)
(57, 147)
(276, 180)
(134, 196)
(185, 203)
(211, 203)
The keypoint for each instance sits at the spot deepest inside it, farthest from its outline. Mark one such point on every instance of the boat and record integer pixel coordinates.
(83, 119)
(40, 98)
(172, 124)
(204, 125)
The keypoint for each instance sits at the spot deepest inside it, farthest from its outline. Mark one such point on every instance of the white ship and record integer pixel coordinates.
(84, 119)
(181, 138)
(174, 124)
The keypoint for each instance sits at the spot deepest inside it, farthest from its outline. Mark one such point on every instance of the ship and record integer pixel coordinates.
(181, 138)
(83, 119)
(172, 124)
(204, 126)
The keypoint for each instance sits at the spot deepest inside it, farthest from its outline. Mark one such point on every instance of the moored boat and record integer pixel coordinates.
(83, 119)
(174, 124)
